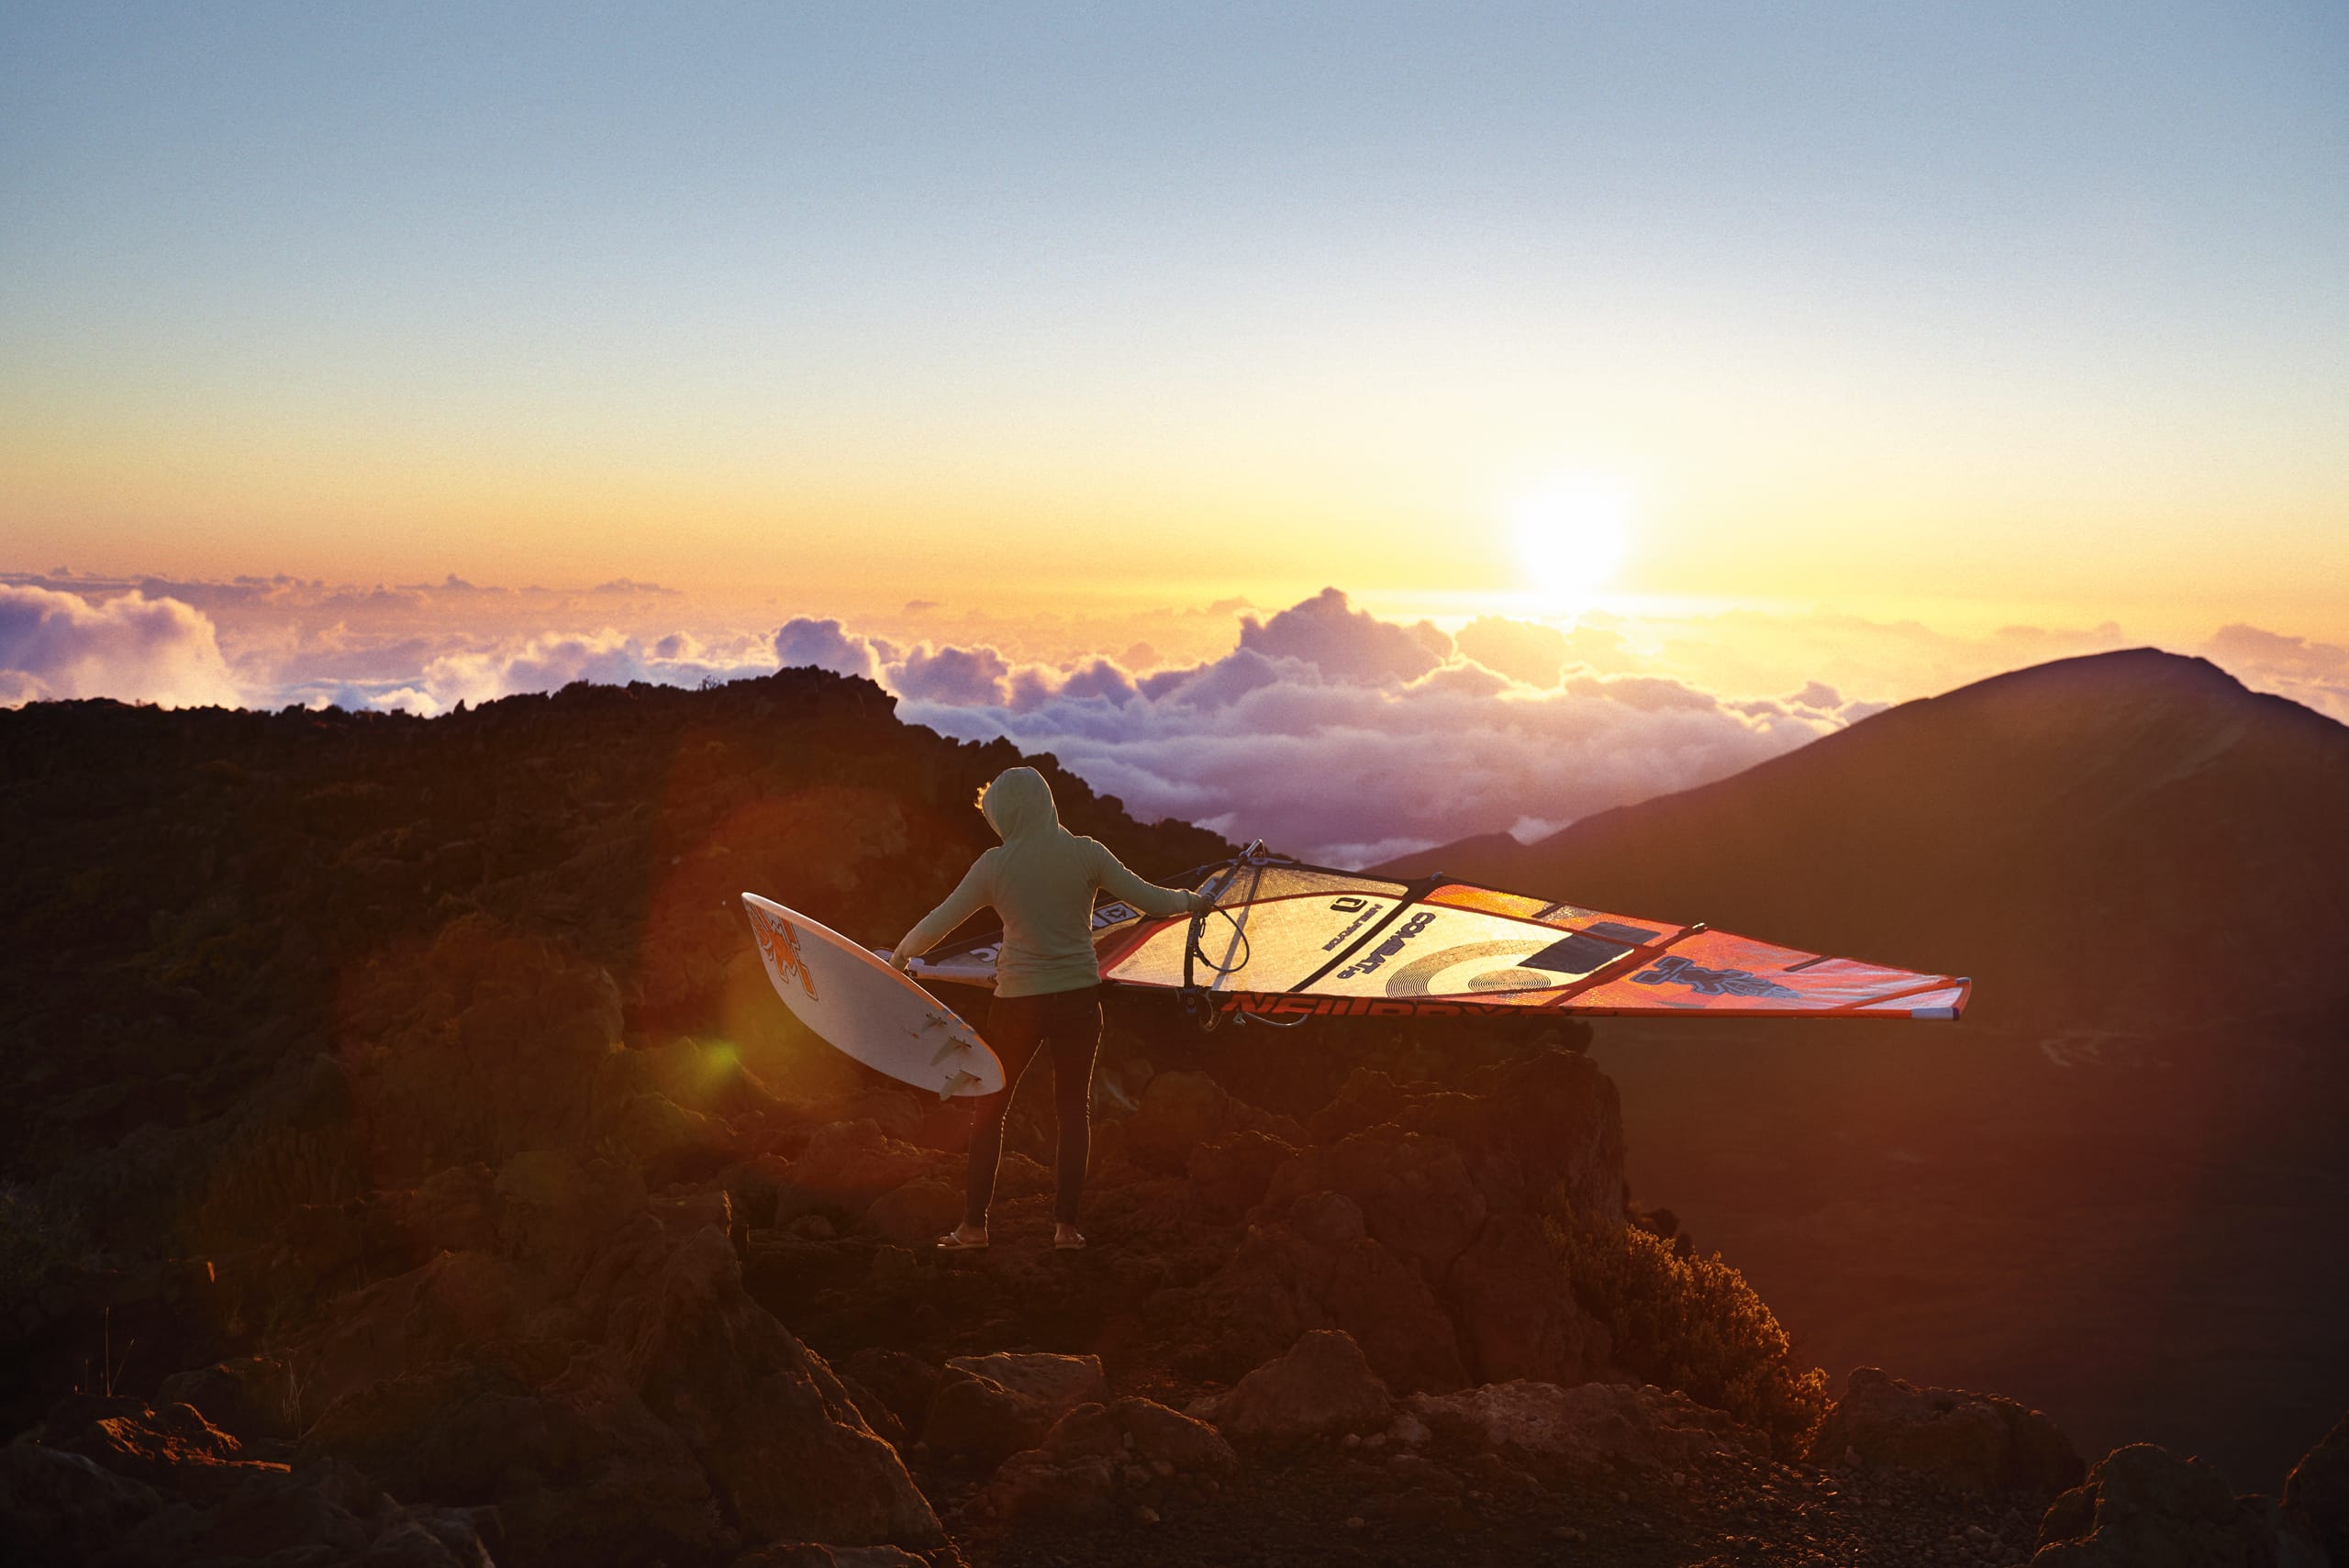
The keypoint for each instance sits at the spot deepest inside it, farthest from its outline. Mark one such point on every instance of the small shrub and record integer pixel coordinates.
(1691, 1324)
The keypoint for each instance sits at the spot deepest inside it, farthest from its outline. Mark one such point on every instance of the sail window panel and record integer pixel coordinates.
(1273, 945)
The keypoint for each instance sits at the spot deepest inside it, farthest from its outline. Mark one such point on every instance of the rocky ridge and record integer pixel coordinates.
(496, 1214)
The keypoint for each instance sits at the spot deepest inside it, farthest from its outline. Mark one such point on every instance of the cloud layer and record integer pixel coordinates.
(1339, 736)
(128, 646)
(1327, 729)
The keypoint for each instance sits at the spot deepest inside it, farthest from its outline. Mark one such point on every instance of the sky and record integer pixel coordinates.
(1069, 334)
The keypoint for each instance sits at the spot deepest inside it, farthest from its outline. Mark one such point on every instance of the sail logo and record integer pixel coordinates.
(1705, 982)
(1369, 912)
(779, 945)
(1377, 956)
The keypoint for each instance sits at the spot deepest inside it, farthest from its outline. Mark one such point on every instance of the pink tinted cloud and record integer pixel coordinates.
(57, 644)
(1339, 735)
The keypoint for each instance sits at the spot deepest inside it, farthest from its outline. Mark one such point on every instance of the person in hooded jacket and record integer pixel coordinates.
(1041, 880)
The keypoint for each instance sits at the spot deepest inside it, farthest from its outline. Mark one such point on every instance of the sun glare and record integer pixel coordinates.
(1572, 536)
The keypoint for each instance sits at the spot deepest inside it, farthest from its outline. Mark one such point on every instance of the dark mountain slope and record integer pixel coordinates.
(2130, 841)
(2110, 1188)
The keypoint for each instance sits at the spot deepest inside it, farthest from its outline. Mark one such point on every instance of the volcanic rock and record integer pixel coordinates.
(2317, 1492)
(1318, 1270)
(1228, 1179)
(135, 1439)
(780, 1440)
(904, 1383)
(1095, 1454)
(1059, 1383)
(1515, 1322)
(1975, 1442)
(845, 1166)
(991, 1406)
(1322, 1388)
(252, 1397)
(2144, 1506)
(1643, 1427)
(806, 1554)
(61, 1507)
(581, 1471)
(916, 1213)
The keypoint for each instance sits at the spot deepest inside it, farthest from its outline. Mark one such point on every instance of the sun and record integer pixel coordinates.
(1572, 536)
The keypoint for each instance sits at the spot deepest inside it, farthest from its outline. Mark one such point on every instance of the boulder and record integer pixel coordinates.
(2144, 1506)
(1643, 1427)
(1415, 1193)
(61, 1507)
(1322, 1388)
(324, 1511)
(2317, 1492)
(1179, 1112)
(990, 1408)
(1974, 1442)
(978, 1420)
(1517, 1317)
(1312, 1269)
(57, 1506)
(252, 1397)
(780, 1440)
(1059, 1383)
(907, 1384)
(1097, 1455)
(1228, 1178)
(135, 1439)
(918, 1213)
(428, 1315)
(807, 1554)
(581, 1471)
(844, 1167)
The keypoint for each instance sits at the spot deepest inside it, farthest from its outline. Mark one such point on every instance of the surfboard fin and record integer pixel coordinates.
(949, 1048)
(954, 1083)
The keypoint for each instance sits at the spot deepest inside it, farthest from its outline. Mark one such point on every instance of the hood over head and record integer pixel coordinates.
(1019, 804)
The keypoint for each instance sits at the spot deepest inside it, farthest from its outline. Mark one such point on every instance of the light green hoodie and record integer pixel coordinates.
(1041, 879)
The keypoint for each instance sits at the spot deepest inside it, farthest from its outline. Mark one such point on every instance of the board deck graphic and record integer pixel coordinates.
(863, 1009)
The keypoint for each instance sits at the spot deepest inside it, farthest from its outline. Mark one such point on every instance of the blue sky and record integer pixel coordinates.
(362, 288)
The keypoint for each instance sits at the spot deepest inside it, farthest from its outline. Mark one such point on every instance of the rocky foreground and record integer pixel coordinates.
(1354, 1340)
(420, 1197)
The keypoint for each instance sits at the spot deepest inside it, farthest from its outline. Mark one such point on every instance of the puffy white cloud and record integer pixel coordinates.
(1344, 643)
(1313, 738)
(551, 662)
(59, 644)
(2316, 673)
(826, 646)
(960, 676)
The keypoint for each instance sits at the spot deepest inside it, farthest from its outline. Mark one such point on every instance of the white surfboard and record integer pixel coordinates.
(863, 1009)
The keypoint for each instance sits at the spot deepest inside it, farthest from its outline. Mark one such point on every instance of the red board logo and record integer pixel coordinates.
(779, 945)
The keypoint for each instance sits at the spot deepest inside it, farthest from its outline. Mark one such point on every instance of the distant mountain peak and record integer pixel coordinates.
(2123, 840)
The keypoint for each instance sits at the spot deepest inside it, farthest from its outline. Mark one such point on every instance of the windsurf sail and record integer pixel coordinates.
(1286, 941)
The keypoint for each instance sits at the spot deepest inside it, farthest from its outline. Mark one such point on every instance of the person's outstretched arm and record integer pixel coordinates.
(958, 906)
(1111, 875)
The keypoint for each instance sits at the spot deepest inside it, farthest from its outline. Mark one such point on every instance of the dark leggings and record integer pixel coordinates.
(1019, 1028)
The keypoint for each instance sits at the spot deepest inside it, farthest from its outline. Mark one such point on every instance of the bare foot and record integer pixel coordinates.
(1067, 1237)
(963, 1238)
